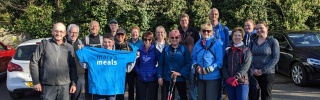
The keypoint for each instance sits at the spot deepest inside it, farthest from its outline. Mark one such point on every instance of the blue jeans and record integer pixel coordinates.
(240, 92)
(104, 97)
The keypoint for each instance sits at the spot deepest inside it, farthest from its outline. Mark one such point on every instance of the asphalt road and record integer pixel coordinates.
(283, 89)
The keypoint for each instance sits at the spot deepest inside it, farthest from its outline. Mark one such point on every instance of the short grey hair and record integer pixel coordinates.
(73, 26)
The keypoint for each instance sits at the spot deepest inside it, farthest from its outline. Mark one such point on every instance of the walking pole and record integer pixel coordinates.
(171, 87)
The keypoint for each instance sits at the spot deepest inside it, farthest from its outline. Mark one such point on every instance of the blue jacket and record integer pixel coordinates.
(178, 60)
(222, 32)
(205, 58)
(145, 65)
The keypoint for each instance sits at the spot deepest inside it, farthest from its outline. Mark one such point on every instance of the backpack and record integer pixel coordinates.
(204, 48)
(87, 40)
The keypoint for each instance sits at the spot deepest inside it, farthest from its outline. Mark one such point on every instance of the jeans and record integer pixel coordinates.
(148, 90)
(56, 92)
(240, 92)
(104, 97)
(80, 91)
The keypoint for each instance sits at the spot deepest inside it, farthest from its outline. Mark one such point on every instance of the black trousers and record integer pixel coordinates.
(181, 87)
(131, 80)
(266, 82)
(148, 90)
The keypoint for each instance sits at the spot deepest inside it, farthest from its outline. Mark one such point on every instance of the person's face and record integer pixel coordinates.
(73, 33)
(262, 30)
(174, 39)
(113, 27)
(94, 28)
(248, 27)
(184, 22)
(160, 34)
(58, 31)
(214, 15)
(120, 37)
(237, 37)
(206, 33)
(108, 43)
(134, 33)
(147, 42)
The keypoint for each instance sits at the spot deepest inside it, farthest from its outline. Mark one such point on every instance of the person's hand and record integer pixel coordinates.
(259, 71)
(37, 87)
(256, 72)
(73, 89)
(175, 74)
(80, 46)
(232, 81)
(160, 81)
(199, 70)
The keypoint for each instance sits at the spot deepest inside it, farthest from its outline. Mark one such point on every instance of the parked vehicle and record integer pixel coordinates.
(6, 53)
(18, 75)
(299, 56)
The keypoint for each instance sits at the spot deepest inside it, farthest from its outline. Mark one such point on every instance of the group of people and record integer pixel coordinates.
(196, 63)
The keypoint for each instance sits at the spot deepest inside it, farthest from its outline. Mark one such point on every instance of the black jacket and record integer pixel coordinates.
(80, 70)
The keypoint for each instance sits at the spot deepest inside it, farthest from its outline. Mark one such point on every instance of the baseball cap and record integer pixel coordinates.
(113, 21)
(121, 30)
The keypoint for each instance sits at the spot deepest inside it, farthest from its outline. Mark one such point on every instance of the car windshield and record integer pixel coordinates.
(305, 39)
(24, 52)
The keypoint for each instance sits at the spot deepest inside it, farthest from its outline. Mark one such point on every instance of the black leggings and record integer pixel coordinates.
(181, 87)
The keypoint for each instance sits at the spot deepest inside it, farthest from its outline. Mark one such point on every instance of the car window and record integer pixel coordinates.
(305, 39)
(281, 39)
(24, 52)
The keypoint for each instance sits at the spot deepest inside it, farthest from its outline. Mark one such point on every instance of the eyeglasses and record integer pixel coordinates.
(204, 31)
(174, 38)
(147, 39)
(120, 34)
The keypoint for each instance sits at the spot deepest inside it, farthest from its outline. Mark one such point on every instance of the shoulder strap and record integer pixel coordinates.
(87, 40)
(101, 40)
(80, 42)
(204, 48)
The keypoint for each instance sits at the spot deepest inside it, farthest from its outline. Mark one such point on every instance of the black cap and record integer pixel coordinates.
(113, 21)
(121, 30)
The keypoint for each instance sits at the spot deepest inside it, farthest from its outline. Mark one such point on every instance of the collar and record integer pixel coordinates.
(64, 40)
(238, 45)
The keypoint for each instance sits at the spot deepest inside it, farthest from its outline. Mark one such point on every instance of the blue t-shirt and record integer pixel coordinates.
(107, 69)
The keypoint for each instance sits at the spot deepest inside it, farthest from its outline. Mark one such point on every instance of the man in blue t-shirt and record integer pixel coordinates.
(106, 69)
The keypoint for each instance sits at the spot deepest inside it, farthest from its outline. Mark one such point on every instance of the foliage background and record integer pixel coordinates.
(35, 18)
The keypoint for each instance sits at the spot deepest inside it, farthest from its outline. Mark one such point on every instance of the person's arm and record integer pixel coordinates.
(218, 52)
(161, 64)
(34, 63)
(185, 70)
(225, 72)
(275, 53)
(226, 38)
(72, 67)
(136, 66)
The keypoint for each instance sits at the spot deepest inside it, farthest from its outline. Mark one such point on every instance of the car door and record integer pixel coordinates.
(283, 65)
(2, 58)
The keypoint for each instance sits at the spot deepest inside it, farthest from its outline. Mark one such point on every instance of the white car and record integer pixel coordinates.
(18, 74)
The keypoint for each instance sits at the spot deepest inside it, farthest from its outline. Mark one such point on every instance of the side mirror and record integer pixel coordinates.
(8, 48)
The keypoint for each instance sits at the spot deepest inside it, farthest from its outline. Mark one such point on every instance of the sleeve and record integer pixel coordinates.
(219, 51)
(81, 55)
(194, 54)
(161, 64)
(246, 62)
(137, 64)
(225, 73)
(72, 67)
(226, 39)
(185, 70)
(34, 66)
(275, 49)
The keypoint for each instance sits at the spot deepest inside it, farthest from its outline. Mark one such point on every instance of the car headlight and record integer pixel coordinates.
(313, 61)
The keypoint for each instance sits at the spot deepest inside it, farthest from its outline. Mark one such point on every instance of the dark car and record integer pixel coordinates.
(299, 55)
(6, 53)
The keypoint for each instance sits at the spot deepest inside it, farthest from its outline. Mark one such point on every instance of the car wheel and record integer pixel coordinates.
(16, 96)
(299, 74)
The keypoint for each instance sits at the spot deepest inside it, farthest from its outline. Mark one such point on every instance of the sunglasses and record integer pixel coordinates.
(147, 39)
(204, 31)
(120, 34)
(174, 38)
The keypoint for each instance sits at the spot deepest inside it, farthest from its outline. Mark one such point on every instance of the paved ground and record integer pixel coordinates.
(283, 89)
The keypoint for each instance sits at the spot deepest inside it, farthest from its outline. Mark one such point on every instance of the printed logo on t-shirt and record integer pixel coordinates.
(145, 58)
(107, 60)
